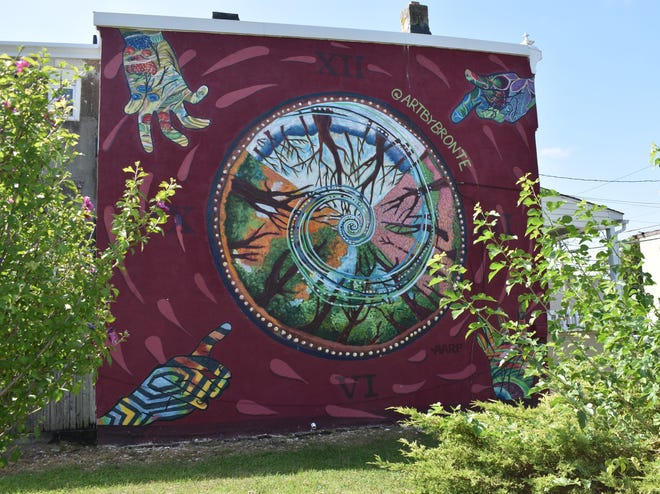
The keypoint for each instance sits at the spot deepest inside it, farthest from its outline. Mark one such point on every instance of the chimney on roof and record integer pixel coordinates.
(415, 19)
(225, 16)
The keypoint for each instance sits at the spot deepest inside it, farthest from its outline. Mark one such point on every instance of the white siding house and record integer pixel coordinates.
(649, 245)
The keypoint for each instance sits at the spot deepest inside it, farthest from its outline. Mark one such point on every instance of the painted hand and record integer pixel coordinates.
(503, 97)
(157, 88)
(180, 386)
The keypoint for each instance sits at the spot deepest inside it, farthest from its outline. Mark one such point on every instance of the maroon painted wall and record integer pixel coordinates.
(317, 178)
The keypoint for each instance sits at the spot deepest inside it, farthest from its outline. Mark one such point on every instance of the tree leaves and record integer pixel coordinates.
(602, 327)
(55, 290)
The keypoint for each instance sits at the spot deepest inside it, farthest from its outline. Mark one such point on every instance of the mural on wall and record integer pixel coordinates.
(157, 88)
(503, 97)
(507, 371)
(183, 384)
(326, 223)
(317, 180)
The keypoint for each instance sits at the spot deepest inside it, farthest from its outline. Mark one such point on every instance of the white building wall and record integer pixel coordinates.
(649, 244)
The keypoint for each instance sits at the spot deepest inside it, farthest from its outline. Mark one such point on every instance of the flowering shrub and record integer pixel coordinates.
(21, 65)
(55, 284)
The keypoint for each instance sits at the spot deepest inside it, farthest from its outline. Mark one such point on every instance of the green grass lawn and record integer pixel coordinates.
(312, 467)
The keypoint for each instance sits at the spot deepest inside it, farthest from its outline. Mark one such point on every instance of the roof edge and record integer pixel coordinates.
(576, 199)
(55, 50)
(219, 26)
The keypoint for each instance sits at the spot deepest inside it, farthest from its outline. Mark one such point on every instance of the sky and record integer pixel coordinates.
(596, 87)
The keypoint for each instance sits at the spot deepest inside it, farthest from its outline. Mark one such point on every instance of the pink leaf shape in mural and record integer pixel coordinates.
(375, 68)
(473, 172)
(249, 407)
(301, 59)
(107, 142)
(203, 287)
(108, 217)
(418, 357)
(478, 276)
(118, 356)
(489, 133)
(340, 45)
(432, 67)
(460, 375)
(155, 347)
(517, 172)
(165, 308)
(144, 189)
(178, 226)
(504, 218)
(186, 57)
(404, 389)
(131, 284)
(239, 56)
(339, 379)
(503, 294)
(184, 169)
(112, 67)
(231, 98)
(343, 412)
(498, 61)
(478, 388)
(521, 131)
(282, 369)
(458, 326)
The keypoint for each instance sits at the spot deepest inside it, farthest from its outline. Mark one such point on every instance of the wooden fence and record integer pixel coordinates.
(72, 412)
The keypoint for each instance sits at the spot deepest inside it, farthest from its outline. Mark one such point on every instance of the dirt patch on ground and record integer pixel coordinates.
(47, 453)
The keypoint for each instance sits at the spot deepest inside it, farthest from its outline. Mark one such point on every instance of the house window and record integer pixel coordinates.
(72, 93)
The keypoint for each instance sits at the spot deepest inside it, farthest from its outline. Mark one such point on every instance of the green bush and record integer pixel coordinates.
(507, 449)
(597, 429)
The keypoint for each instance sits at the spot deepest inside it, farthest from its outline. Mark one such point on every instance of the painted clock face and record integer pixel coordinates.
(322, 219)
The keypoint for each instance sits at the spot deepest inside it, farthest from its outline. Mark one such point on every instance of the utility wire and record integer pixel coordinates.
(614, 181)
(647, 228)
(652, 205)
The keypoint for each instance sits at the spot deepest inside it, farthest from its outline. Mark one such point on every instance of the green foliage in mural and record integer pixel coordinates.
(273, 282)
(323, 219)
(55, 284)
(255, 216)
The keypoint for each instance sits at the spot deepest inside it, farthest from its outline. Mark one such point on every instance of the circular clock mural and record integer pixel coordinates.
(322, 219)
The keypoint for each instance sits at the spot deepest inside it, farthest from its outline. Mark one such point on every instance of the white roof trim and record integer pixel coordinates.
(55, 50)
(105, 19)
(569, 207)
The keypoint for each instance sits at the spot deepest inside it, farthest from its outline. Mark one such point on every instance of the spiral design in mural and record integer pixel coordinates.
(356, 216)
(322, 219)
(354, 222)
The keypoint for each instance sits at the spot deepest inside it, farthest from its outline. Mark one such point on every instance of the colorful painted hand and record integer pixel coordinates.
(182, 385)
(323, 219)
(503, 97)
(507, 371)
(157, 87)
